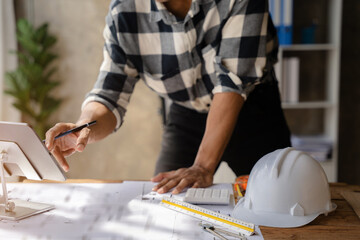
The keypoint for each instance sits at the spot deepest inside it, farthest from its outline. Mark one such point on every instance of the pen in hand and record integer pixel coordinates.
(74, 129)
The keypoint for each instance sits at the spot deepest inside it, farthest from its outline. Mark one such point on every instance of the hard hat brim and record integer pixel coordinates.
(274, 219)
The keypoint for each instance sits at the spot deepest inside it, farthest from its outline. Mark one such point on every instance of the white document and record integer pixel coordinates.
(103, 211)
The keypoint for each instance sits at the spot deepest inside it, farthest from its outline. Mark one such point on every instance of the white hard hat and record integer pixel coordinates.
(286, 188)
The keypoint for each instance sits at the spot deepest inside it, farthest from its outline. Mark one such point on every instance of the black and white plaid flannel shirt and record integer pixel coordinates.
(220, 46)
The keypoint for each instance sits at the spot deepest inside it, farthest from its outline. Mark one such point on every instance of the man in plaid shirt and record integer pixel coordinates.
(214, 60)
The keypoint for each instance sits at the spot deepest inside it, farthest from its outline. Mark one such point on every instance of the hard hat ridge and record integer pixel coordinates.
(282, 154)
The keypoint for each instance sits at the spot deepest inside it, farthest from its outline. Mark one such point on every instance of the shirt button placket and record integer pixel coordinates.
(188, 27)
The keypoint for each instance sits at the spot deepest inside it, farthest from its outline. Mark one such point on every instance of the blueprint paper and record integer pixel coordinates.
(104, 211)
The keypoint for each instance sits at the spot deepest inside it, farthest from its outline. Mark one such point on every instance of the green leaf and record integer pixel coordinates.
(12, 93)
(49, 74)
(14, 83)
(24, 28)
(30, 46)
(23, 85)
(24, 59)
(44, 59)
(22, 107)
(41, 33)
(50, 86)
(50, 105)
(49, 41)
(10, 80)
(32, 75)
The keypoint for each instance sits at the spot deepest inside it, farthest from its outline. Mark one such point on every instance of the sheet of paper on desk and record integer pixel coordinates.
(102, 211)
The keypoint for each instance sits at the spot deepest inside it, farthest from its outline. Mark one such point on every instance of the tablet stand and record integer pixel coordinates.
(15, 209)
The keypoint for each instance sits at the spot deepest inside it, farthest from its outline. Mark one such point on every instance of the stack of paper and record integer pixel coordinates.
(319, 147)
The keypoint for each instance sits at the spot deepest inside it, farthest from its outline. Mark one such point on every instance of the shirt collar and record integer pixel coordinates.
(159, 12)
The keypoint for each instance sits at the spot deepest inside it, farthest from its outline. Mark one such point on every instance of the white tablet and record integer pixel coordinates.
(26, 154)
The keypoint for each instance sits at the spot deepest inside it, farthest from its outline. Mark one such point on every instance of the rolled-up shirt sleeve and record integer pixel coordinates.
(117, 76)
(241, 57)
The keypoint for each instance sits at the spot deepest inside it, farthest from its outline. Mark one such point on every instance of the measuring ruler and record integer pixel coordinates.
(209, 216)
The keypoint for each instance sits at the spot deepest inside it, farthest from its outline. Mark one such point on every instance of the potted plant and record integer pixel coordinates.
(31, 83)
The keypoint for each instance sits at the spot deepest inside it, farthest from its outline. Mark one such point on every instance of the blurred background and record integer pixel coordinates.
(131, 152)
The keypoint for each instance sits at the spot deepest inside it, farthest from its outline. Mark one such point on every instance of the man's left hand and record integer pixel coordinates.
(194, 176)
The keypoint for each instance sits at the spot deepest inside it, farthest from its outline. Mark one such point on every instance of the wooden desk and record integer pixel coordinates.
(341, 224)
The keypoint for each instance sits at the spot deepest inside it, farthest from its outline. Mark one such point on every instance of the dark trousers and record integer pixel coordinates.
(261, 128)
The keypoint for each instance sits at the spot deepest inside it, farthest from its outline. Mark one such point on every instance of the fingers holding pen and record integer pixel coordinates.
(66, 138)
(55, 131)
(82, 139)
(61, 147)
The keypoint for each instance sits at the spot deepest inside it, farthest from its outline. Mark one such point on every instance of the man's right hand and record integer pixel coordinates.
(67, 145)
(76, 142)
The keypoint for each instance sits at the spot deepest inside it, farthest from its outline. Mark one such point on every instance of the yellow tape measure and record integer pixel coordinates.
(209, 216)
